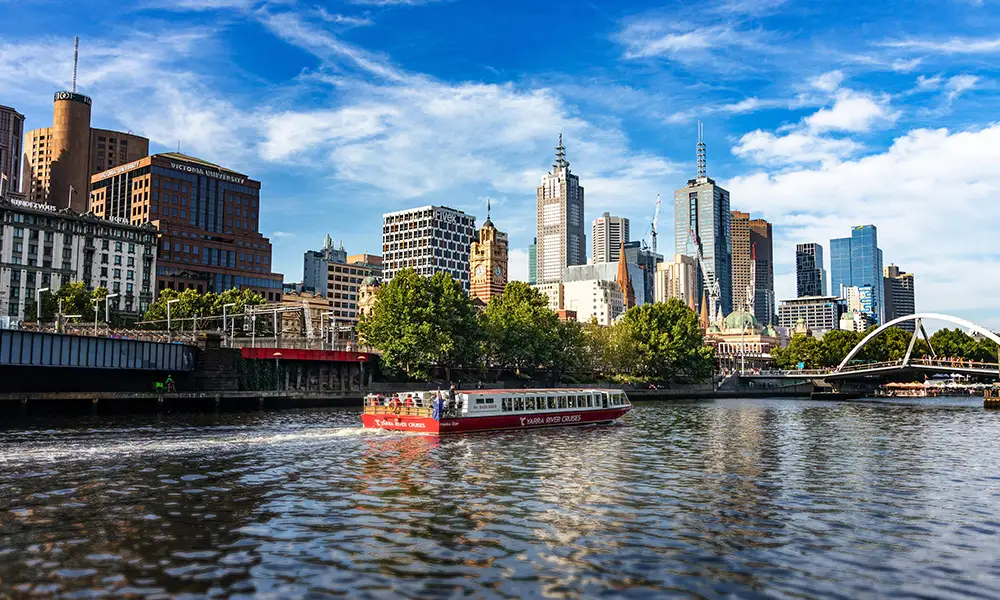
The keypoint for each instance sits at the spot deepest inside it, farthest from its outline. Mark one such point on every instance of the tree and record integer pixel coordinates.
(205, 306)
(76, 299)
(667, 342)
(521, 331)
(807, 350)
(418, 323)
(838, 344)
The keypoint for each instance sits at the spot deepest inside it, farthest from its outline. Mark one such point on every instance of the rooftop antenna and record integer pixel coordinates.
(702, 168)
(561, 161)
(488, 207)
(76, 59)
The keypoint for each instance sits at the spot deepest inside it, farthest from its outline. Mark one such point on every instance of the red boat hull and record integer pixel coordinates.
(492, 423)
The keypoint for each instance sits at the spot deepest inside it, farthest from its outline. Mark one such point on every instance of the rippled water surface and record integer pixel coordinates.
(731, 498)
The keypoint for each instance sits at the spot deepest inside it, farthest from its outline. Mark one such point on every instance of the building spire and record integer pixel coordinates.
(488, 208)
(702, 163)
(561, 162)
(76, 59)
(624, 281)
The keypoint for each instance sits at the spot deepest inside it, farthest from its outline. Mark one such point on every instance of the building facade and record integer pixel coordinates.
(608, 272)
(371, 261)
(555, 292)
(315, 266)
(751, 245)
(701, 219)
(41, 247)
(533, 261)
(428, 239)
(559, 221)
(677, 279)
(818, 313)
(344, 282)
(11, 134)
(597, 299)
(607, 233)
(644, 258)
(60, 160)
(207, 217)
(857, 261)
(810, 274)
(488, 263)
(898, 292)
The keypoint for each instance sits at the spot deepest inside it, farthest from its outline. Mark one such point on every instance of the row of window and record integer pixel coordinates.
(557, 402)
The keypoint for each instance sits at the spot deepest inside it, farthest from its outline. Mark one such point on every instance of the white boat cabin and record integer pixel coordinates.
(499, 402)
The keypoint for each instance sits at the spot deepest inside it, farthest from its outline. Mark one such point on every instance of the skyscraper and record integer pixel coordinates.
(637, 254)
(857, 261)
(559, 220)
(607, 233)
(701, 219)
(810, 276)
(428, 239)
(533, 261)
(752, 256)
(898, 295)
(11, 132)
(316, 266)
(677, 279)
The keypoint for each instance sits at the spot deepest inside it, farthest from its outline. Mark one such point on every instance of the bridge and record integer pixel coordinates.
(930, 365)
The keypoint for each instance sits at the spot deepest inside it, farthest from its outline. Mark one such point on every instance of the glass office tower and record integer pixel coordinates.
(857, 261)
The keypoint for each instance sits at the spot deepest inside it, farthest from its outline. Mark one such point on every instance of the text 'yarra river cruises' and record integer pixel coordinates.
(489, 410)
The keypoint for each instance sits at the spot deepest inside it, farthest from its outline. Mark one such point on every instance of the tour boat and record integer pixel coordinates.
(491, 410)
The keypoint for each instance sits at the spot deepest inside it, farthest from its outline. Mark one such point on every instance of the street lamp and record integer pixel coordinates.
(38, 305)
(170, 333)
(224, 307)
(95, 301)
(107, 311)
(277, 381)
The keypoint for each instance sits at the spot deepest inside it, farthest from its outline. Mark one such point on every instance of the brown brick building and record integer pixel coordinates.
(207, 217)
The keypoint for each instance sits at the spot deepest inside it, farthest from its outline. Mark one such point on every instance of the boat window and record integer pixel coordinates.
(506, 404)
(550, 402)
(562, 401)
(590, 401)
(604, 400)
(572, 401)
(531, 403)
(519, 404)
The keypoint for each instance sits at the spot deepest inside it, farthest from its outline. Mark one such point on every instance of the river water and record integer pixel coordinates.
(768, 498)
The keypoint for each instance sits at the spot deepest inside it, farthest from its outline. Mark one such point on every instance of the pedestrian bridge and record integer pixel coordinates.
(932, 364)
(36, 349)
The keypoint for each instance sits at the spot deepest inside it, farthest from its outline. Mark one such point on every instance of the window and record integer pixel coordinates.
(104, 271)
(519, 404)
(118, 273)
(118, 260)
(118, 246)
(130, 275)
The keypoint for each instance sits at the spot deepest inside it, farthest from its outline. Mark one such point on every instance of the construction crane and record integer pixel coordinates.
(711, 284)
(652, 229)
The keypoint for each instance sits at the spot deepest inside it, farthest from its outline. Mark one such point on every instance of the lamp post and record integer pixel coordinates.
(361, 360)
(224, 308)
(95, 301)
(170, 333)
(277, 380)
(107, 313)
(59, 317)
(38, 305)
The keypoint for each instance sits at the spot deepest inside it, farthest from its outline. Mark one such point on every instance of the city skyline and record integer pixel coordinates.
(807, 152)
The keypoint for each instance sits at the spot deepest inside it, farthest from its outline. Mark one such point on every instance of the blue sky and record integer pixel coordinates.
(818, 115)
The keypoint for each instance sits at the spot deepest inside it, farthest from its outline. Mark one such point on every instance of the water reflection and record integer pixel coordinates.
(774, 497)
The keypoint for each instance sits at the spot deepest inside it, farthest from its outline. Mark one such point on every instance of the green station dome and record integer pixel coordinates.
(740, 320)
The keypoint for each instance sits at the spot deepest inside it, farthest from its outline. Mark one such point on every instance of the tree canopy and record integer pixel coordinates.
(192, 304)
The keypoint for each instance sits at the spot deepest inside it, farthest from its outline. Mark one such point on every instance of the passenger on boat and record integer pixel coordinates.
(409, 401)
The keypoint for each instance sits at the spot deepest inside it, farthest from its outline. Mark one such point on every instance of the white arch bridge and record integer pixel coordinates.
(931, 364)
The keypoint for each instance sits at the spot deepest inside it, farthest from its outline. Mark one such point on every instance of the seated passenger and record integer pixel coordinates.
(409, 401)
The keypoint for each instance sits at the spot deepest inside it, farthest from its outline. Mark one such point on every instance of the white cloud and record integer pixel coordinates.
(929, 83)
(955, 45)
(517, 265)
(958, 85)
(345, 20)
(199, 5)
(932, 196)
(793, 148)
(686, 43)
(852, 111)
(827, 82)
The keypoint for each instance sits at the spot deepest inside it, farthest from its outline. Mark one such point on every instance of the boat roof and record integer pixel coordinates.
(516, 391)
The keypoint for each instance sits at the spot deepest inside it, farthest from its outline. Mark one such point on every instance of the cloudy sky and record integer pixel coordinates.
(818, 115)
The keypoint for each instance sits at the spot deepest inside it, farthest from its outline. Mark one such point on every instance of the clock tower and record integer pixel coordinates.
(488, 262)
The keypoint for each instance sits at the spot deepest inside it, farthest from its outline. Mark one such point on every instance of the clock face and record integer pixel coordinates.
(479, 271)
(497, 271)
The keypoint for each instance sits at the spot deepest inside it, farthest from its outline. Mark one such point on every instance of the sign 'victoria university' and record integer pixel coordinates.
(232, 178)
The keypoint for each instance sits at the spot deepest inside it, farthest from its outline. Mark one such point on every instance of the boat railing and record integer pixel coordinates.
(400, 411)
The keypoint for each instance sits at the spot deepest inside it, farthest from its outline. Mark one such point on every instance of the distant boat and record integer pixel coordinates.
(493, 410)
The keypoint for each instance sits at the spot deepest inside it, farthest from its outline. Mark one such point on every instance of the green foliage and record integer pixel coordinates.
(205, 306)
(662, 342)
(830, 351)
(522, 332)
(802, 349)
(76, 298)
(418, 323)
(957, 343)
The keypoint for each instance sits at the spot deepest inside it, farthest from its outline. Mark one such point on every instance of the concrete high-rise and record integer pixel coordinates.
(428, 239)
(637, 254)
(559, 221)
(316, 266)
(857, 261)
(677, 279)
(607, 234)
(59, 160)
(898, 295)
(810, 276)
(11, 133)
(751, 247)
(701, 220)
